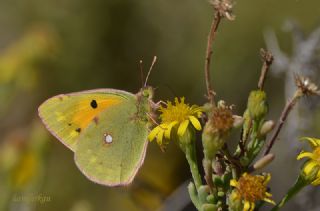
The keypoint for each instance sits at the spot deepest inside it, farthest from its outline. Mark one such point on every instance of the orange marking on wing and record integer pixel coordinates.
(87, 114)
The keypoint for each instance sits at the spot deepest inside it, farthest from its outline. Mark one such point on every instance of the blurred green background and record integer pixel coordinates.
(48, 47)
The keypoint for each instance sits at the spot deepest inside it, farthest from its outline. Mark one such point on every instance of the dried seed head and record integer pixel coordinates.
(224, 8)
(305, 85)
(217, 129)
(222, 119)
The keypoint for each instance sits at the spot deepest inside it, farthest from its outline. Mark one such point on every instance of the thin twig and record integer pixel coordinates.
(235, 162)
(241, 145)
(267, 61)
(282, 119)
(212, 34)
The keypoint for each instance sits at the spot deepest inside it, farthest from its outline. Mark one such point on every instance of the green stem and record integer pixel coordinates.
(187, 143)
(257, 141)
(297, 187)
(194, 195)
(192, 161)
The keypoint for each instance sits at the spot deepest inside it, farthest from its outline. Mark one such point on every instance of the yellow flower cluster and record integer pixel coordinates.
(252, 188)
(178, 115)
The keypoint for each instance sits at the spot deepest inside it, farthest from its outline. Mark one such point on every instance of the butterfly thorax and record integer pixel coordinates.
(144, 105)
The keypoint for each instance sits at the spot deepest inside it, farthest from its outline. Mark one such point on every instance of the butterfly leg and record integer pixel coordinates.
(156, 105)
(154, 121)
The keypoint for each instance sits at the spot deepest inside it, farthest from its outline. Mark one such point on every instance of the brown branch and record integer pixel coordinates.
(267, 59)
(212, 34)
(289, 106)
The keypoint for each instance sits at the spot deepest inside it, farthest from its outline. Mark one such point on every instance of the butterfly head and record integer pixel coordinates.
(147, 92)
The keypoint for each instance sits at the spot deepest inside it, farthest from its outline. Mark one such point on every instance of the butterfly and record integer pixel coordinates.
(106, 129)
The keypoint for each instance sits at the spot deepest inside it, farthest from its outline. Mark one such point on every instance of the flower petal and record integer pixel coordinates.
(312, 141)
(246, 206)
(176, 100)
(268, 194)
(196, 110)
(252, 206)
(269, 200)
(154, 133)
(267, 178)
(304, 154)
(309, 166)
(160, 137)
(167, 132)
(195, 122)
(183, 127)
(233, 183)
(317, 181)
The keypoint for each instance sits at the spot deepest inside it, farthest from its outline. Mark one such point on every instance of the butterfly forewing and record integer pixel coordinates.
(66, 116)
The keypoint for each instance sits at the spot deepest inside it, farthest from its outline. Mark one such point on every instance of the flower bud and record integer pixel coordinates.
(217, 180)
(267, 127)
(209, 207)
(211, 199)
(257, 104)
(264, 161)
(237, 121)
(211, 141)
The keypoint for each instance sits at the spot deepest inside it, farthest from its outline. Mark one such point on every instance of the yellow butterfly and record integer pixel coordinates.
(105, 128)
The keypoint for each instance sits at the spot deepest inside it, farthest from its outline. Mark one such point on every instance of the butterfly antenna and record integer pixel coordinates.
(152, 64)
(141, 71)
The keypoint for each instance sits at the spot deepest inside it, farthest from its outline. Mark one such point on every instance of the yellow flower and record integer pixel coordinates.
(177, 115)
(251, 188)
(313, 162)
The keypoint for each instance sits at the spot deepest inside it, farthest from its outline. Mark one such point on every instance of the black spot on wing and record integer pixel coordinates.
(94, 104)
(78, 130)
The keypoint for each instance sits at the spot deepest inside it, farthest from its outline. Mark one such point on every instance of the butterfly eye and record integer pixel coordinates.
(107, 138)
(146, 93)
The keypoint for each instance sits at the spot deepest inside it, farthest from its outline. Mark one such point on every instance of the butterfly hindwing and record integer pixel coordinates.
(66, 116)
(111, 151)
